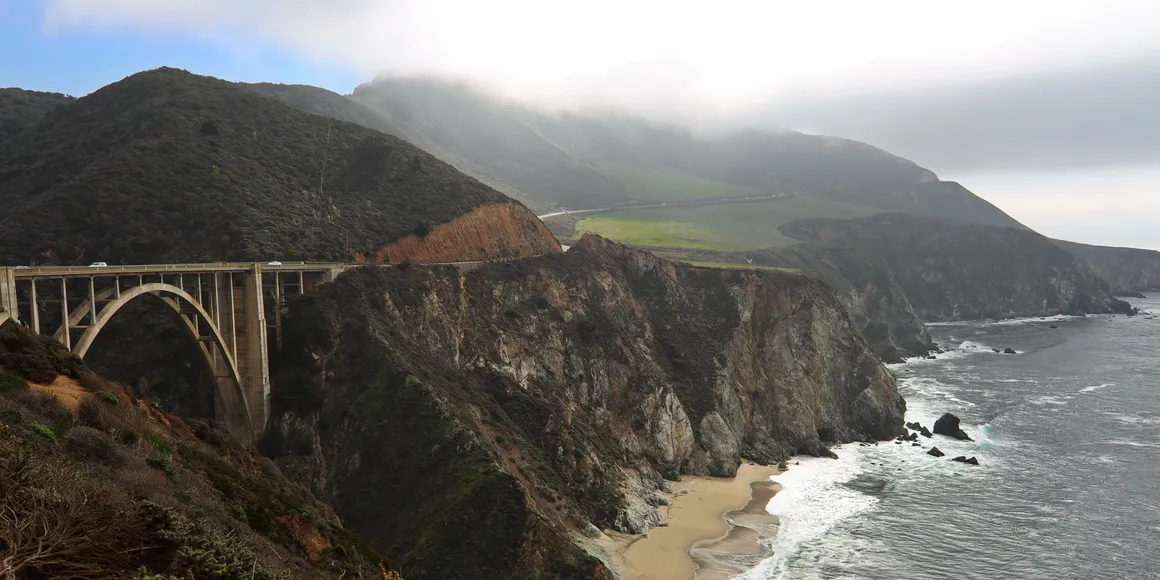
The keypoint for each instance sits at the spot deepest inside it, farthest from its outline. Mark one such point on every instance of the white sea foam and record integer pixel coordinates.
(1006, 322)
(811, 502)
(1056, 400)
(1136, 419)
(1146, 444)
(1096, 387)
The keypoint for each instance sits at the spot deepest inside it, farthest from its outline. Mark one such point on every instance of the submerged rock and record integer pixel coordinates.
(935, 452)
(948, 425)
(1009, 351)
(926, 433)
(973, 461)
(963, 459)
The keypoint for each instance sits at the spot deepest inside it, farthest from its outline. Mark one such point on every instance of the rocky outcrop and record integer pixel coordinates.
(494, 231)
(948, 425)
(962, 272)
(509, 408)
(867, 289)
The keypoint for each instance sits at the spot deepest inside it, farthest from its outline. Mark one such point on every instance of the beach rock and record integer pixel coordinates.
(782, 466)
(916, 444)
(1009, 351)
(996, 350)
(912, 437)
(898, 443)
(931, 357)
(935, 452)
(973, 461)
(915, 426)
(592, 531)
(926, 433)
(948, 425)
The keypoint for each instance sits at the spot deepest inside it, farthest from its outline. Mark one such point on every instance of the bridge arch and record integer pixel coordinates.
(215, 350)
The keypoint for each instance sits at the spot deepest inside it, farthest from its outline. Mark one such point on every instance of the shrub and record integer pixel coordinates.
(88, 444)
(57, 523)
(42, 430)
(48, 407)
(10, 383)
(422, 229)
(165, 464)
(108, 397)
(124, 423)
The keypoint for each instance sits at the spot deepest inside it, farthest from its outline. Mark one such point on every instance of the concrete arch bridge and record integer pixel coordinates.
(224, 307)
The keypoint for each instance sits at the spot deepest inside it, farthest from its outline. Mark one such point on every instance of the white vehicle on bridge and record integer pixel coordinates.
(98, 265)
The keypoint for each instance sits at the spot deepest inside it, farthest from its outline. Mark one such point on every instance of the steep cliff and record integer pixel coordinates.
(962, 272)
(1125, 269)
(867, 289)
(509, 407)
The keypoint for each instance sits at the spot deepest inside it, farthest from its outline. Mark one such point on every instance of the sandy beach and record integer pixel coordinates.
(698, 530)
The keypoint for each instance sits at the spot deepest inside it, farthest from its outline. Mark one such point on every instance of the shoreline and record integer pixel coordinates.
(707, 517)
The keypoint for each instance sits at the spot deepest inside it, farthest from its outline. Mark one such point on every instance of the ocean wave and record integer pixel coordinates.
(1096, 387)
(1135, 419)
(1057, 400)
(1007, 321)
(813, 499)
(923, 395)
(1144, 444)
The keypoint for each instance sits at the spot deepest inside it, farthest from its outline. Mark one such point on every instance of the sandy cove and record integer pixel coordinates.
(699, 528)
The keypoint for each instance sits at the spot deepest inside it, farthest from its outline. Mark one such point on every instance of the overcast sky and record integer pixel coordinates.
(1046, 108)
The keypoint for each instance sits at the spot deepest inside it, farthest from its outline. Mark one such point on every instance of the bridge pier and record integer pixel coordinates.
(9, 308)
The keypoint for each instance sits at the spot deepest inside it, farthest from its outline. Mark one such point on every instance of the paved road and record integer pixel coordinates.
(670, 204)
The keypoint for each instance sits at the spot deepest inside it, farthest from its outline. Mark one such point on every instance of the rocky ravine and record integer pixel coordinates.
(475, 426)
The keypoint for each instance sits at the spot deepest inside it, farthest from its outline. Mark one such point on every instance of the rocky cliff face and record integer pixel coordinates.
(963, 272)
(866, 288)
(475, 426)
(1125, 269)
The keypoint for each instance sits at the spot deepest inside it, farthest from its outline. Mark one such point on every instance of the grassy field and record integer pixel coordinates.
(647, 184)
(735, 266)
(732, 227)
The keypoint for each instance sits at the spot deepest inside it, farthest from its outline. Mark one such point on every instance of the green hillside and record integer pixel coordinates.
(647, 184)
(170, 166)
(729, 227)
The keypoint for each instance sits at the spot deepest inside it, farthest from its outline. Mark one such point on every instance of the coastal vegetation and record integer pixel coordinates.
(89, 489)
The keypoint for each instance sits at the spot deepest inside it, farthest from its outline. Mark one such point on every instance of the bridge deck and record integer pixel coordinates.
(85, 271)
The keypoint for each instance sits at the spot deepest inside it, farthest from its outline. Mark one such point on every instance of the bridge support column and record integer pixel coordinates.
(253, 358)
(8, 305)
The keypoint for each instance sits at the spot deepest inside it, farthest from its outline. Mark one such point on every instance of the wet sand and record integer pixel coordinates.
(699, 534)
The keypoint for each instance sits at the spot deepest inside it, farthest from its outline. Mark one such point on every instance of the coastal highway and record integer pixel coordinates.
(671, 204)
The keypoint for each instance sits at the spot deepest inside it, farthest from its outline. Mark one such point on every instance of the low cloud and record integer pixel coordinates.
(1102, 114)
(990, 85)
(721, 55)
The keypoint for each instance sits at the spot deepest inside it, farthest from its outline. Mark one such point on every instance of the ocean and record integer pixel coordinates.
(1067, 432)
